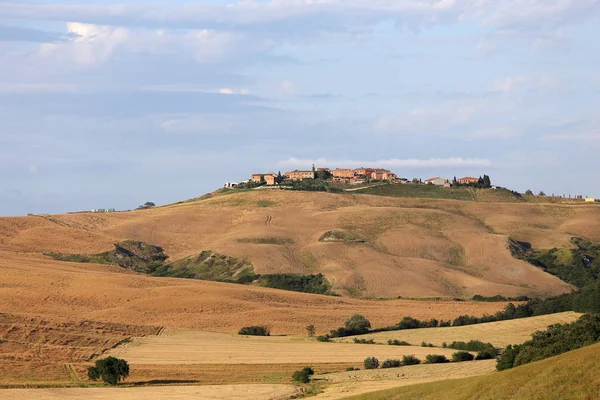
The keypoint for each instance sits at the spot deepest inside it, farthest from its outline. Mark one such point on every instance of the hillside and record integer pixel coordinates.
(574, 375)
(410, 247)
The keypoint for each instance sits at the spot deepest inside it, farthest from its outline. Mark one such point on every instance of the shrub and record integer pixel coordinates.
(435, 359)
(391, 364)
(357, 323)
(364, 341)
(303, 375)
(462, 356)
(353, 369)
(396, 342)
(371, 363)
(486, 354)
(112, 370)
(324, 338)
(409, 323)
(425, 344)
(254, 331)
(444, 324)
(410, 360)
(472, 345)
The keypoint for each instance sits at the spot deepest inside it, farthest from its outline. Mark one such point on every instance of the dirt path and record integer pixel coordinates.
(223, 392)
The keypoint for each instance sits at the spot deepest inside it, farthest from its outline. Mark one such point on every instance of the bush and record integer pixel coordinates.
(486, 354)
(391, 364)
(472, 345)
(435, 359)
(254, 331)
(445, 324)
(396, 342)
(357, 323)
(353, 369)
(410, 360)
(425, 344)
(371, 363)
(364, 341)
(409, 323)
(303, 375)
(324, 338)
(112, 370)
(462, 356)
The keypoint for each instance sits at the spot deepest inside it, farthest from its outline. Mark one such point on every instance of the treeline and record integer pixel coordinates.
(310, 185)
(555, 340)
(317, 284)
(498, 298)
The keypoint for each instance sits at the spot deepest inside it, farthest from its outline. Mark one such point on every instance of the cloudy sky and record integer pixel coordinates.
(114, 104)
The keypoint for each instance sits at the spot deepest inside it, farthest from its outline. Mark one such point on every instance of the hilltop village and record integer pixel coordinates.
(357, 176)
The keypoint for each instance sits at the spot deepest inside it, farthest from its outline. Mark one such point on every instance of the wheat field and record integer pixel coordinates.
(500, 334)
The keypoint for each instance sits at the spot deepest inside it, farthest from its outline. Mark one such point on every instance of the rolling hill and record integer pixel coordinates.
(407, 247)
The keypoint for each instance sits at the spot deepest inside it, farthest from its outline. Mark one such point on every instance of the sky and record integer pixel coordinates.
(111, 104)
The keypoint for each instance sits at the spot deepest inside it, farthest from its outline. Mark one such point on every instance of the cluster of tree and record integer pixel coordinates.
(555, 340)
(364, 341)
(317, 284)
(355, 325)
(310, 185)
(578, 266)
(529, 192)
(471, 345)
(396, 342)
(303, 375)
(373, 362)
(254, 331)
(147, 205)
(111, 370)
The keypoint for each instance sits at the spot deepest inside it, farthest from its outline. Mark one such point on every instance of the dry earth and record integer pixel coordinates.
(182, 346)
(500, 334)
(221, 392)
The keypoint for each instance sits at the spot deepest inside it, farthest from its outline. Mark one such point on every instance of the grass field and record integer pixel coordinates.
(421, 191)
(220, 392)
(182, 346)
(574, 375)
(500, 334)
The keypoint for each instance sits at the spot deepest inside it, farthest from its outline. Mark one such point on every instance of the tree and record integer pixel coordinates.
(303, 375)
(410, 360)
(371, 363)
(357, 323)
(542, 193)
(454, 182)
(112, 370)
(391, 364)
(310, 329)
(279, 177)
(487, 183)
(435, 359)
(462, 356)
(528, 192)
(254, 331)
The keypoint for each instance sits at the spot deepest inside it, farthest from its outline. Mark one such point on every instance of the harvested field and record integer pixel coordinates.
(221, 392)
(500, 334)
(182, 346)
(344, 384)
(37, 349)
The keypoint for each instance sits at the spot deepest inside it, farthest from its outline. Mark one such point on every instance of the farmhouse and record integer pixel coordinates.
(436, 181)
(468, 180)
(297, 175)
(590, 200)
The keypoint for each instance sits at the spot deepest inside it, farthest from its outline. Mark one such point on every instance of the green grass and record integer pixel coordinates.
(574, 375)
(267, 240)
(420, 191)
(209, 265)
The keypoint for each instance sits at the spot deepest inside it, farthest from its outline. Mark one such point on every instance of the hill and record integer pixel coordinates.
(406, 246)
(574, 375)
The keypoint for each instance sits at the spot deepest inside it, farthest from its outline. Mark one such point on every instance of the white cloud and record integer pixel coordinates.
(513, 83)
(391, 163)
(91, 44)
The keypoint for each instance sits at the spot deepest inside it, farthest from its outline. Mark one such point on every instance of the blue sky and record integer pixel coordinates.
(114, 104)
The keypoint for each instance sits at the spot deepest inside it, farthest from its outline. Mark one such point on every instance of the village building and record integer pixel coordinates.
(343, 173)
(271, 179)
(468, 180)
(297, 175)
(257, 177)
(436, 181)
